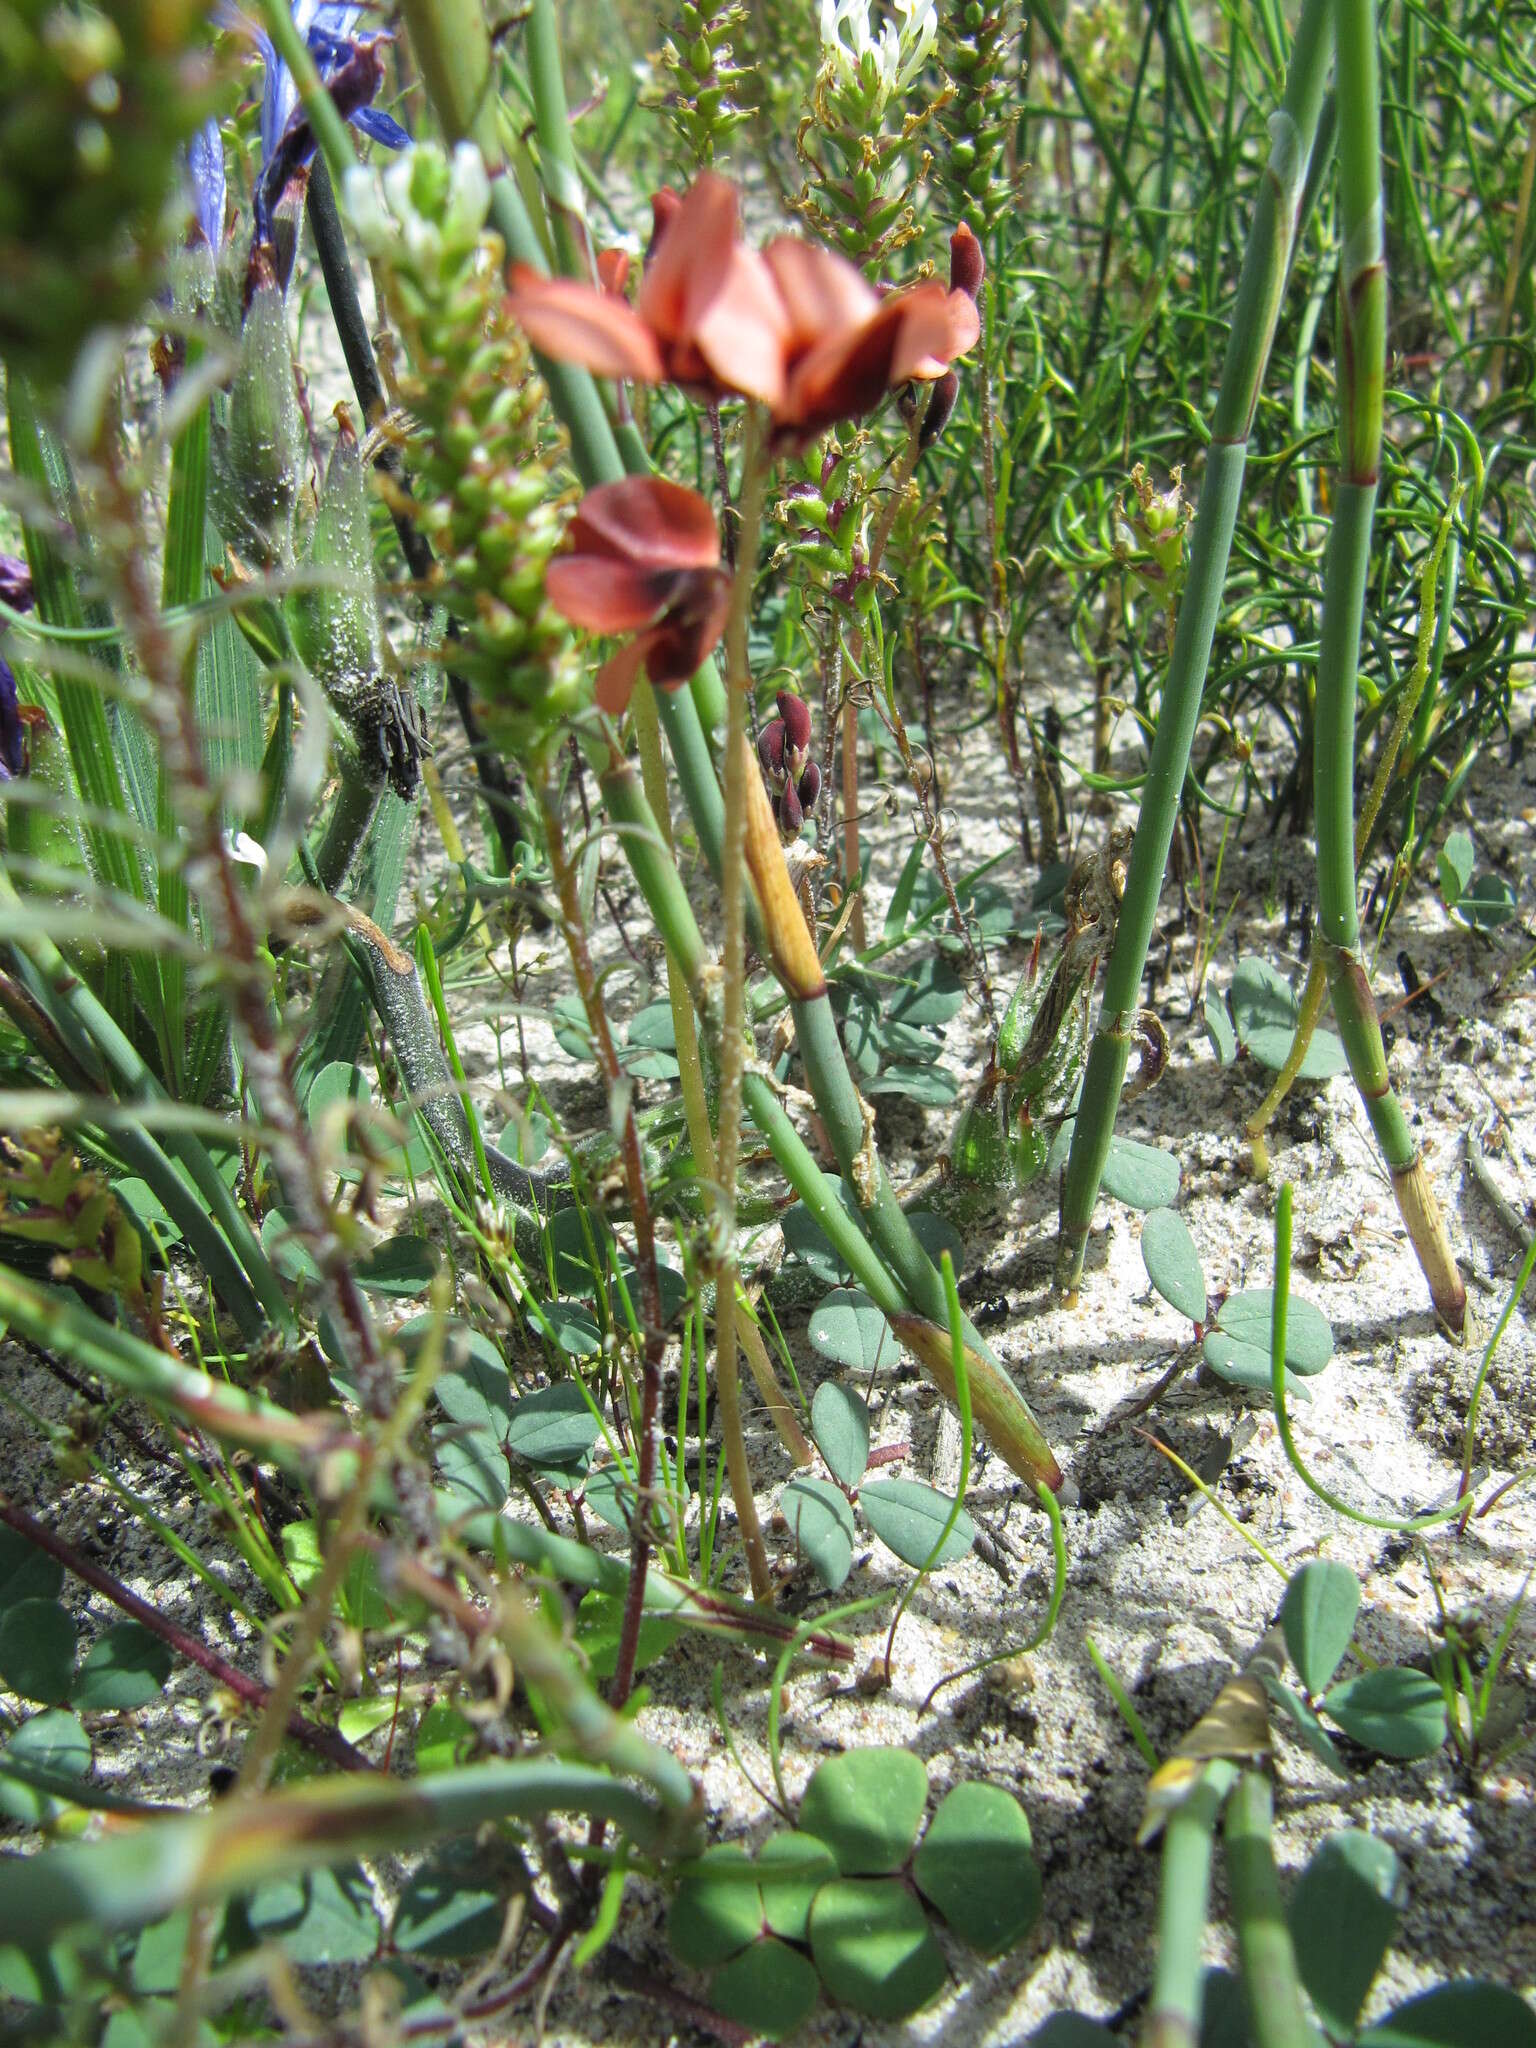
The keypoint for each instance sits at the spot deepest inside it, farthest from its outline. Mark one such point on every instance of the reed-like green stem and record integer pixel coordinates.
(733, 888)
(1361, 356)
(1317, 974)
(135, 1877)
(1264, 1947)
(1173, 2013)
(1265, 266)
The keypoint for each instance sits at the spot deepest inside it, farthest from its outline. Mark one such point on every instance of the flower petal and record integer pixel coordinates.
(613, 271)
(936, 327)
(694, 621)
(574, 323)
(743, 333)
(823, 295)
(605, 596)
(616, 677)
(689, 259)
(649, 521)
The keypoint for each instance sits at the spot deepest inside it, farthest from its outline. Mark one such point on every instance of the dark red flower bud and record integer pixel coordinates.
(810, 786)
(665, 207)
(770, 749)
(791, 816)
(941, 403)
(613, 271)
(797, 721)
(967, 266)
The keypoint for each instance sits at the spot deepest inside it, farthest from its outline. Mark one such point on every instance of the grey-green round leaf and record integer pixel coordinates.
(324, 1916)
(1342, 1915)
(37, 1650)
(447, 1909)
(821, 1522)
(554, 1429)
(124, 1669)
(1224, 2020)
(847, 1327)
(1141, 1176)
(976, 1864)
(931, 1087)
(909, 1517)
(287, 1249)
(473, 1388)
(55, 1742)
(1318, 1616)
(1246, 1322)
(610, 1495)
(26, 1573)
(1397, 1712)
(1467, 2014)
(337, 1081)
(769, 1987)
(1270, 1045)
(872, 1944)
(804, 1236)
(1489, 903)
(716, 1910)
(1172, 1263)
(806, 1864)
(1453, 864)
(840, 1425)
(1261, 998)
(399, 1269)
(1218, 1028)
(866, 1806)
(937, 1235)
(574, 1328)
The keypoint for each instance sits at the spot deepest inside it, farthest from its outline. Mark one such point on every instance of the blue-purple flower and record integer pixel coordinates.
(205, 168)
(351, 68)
(16, 591)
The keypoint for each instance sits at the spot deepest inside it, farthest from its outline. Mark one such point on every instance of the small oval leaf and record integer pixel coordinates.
(1397, 1712)
(769, 1987)
(807, 1864)
(1470, 2013)
(821, 1522)
(1318, 1617)
(977, 1866)
(871, 1941)
(717, 1908)
(1172, 1263)
(37, 1650)
(1342, 1915)
(553, 1430)
(123, 1669)
(840, 1425)
(847, 1327)
(866, 1806)
(909, 1517)
(1141, 1176)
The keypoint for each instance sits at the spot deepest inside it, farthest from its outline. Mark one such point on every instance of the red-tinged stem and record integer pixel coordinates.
(325, 1742)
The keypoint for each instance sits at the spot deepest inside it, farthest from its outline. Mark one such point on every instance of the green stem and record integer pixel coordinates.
(1362, 370)
(1264, 1945)
(733, 881)
(1173, 2016)
(1260, 290)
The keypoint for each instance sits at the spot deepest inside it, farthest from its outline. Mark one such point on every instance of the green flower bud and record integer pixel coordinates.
(335, 622)
(259, 456)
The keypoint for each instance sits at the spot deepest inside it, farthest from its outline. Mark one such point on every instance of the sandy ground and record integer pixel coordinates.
(1174, 1599)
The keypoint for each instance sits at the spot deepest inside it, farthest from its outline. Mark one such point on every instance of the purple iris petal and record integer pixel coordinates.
(15, 583)
(205, 161)
(352, 70)
(13, 743)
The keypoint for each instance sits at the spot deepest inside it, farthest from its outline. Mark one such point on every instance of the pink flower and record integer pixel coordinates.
(793, 326)
(644, 560)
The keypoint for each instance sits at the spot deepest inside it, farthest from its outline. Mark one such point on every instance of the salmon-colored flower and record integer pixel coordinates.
(644, 560)
(794, 326)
